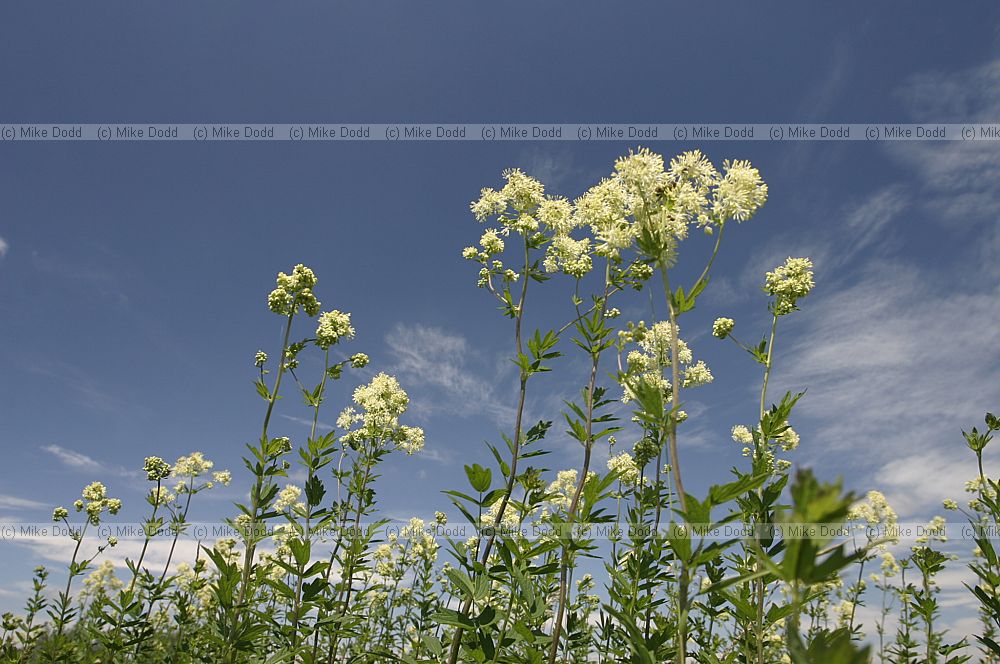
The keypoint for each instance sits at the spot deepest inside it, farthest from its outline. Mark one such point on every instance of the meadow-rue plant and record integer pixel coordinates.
(610, 558)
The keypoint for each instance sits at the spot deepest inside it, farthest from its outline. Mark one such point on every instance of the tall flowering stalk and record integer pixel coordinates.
(293, 293)
(664, 202)
(94, 501)
(519, 208)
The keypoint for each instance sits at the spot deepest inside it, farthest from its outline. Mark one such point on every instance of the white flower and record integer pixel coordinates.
(491, 242)
(294, 291)
(742, 435)
(641, 172)
(788, 283)
(697, 374)
(412, 439)
(723, 327)
(740, 193)
(789, 440)
(569, 255)
(94, 491)
(624, 465)
(193, 465)
(333, 326)
(876, 512)
(287, 497)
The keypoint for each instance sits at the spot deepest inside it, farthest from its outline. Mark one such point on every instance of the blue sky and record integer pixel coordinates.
(133, 277)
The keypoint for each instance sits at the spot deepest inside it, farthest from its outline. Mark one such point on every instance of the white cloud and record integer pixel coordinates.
(436, 362)
(3, 247)
(80, 461)
(895, 367)
(71, 458)
(13, 502)
(307, 422)
(960, 179)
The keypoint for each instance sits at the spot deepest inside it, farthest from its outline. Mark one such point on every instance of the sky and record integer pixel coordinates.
(134, 276)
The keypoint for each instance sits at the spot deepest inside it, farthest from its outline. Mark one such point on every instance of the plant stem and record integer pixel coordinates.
(251, 543)
(456, 640)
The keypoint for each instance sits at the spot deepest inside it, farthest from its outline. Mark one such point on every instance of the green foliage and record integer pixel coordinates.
(316, 573)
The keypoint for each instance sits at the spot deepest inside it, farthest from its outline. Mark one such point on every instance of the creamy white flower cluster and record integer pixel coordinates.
(980, 488)
(192, 466)
(563, 488)
(787, 440)
(518, 206)
(422, 544)
(102, 582)
(664, 201)
(654, 354)
(382, 401)
(788, 283)
(723, 327)
(155, 468)
(629, 473)
(95, 502)
(876, 512)
(288, 499)
(511, 519)
(333, 326)
(642, 197)
(515, 205)
(294, 291)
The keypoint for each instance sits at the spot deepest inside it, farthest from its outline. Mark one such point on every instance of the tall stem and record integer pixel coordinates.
(767, 365)
(675, 391)
(760, 585)
(258, 486)
(456, 639)
(309, 507)
(582, 480)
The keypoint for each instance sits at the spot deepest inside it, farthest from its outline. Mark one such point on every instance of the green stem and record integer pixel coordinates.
(582, 480)
(456, 640)
(251, 543)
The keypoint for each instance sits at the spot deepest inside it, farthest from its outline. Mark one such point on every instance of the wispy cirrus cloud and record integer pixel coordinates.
(442, 365)
(16, 502)
(81, 461)
(71, 458)
(898, 355)
(896, 366)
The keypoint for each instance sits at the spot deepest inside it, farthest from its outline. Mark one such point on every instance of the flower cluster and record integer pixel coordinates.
(740, 192)
(515, 206)
(788, 283)
(293, 292)
(647, 363)
(155, 468)
(878, 515)
(288, 498)
(382, 401)
(95, 501)
(570, 256)
(160, 496)
(422, 543)
(333, 326)
(723, 327)
(562, 489)
(189, 468)
(741, 434)
(628, 472)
